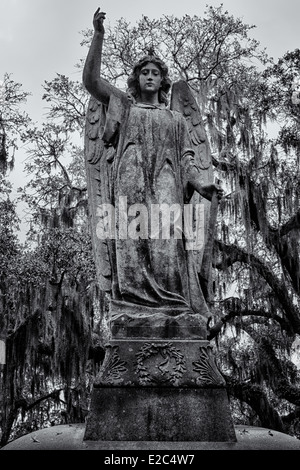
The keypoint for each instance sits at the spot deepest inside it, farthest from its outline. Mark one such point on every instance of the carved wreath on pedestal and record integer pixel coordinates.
(159, 363)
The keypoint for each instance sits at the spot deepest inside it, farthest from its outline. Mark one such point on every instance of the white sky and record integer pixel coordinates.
(40, 38)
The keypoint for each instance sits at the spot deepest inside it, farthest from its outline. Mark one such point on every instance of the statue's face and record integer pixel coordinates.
(150, 78)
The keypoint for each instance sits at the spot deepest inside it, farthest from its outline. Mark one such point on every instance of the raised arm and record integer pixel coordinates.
(97, 86)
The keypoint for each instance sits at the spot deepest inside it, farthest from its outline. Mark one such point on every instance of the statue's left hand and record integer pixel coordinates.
(209, 190)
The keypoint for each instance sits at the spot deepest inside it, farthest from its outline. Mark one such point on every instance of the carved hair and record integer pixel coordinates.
(133, 79)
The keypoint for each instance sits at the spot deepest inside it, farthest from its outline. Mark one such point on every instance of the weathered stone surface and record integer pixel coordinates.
(70, 437)
(159, 390)
(158, 324)
(160, 414)
(159, 380)
(152, 363)
(148, 250)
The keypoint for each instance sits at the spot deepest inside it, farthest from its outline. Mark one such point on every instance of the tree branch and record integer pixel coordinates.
(274, 238)
(235, 254)
(239, 313)
(255, 397)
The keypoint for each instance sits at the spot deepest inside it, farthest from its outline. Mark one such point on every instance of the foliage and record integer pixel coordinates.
(13, 122)
(50, 302)
(9, 246)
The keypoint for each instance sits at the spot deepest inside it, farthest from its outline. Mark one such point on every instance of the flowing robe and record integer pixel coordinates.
(149, 155)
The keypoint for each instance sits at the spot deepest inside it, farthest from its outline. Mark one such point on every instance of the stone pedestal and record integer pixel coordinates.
(160, 414)
(159, 390)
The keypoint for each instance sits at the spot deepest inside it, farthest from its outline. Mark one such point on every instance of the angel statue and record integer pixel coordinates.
(146, 160)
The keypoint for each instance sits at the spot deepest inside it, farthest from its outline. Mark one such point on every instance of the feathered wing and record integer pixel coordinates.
(97, 160)
(183, 101)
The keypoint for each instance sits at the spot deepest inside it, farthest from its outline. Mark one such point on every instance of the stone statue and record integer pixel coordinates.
(149, 172)
(145, 163)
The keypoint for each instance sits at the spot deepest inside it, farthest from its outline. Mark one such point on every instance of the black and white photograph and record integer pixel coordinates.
(150, 229)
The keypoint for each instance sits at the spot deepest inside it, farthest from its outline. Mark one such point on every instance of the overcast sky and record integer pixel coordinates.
(40, 38)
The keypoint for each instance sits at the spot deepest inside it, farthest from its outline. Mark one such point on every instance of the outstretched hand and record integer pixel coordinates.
(218, 191)
(212, 189)
(98, 20)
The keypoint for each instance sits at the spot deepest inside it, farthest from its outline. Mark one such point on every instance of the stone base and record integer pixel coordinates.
(159, 390)
(159, 414)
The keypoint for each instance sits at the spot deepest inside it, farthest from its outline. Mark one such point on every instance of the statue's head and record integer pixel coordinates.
(133, 79)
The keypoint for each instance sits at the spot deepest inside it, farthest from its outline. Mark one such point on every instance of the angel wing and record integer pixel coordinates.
(97, 158)
(183, 101)
(102, 138)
